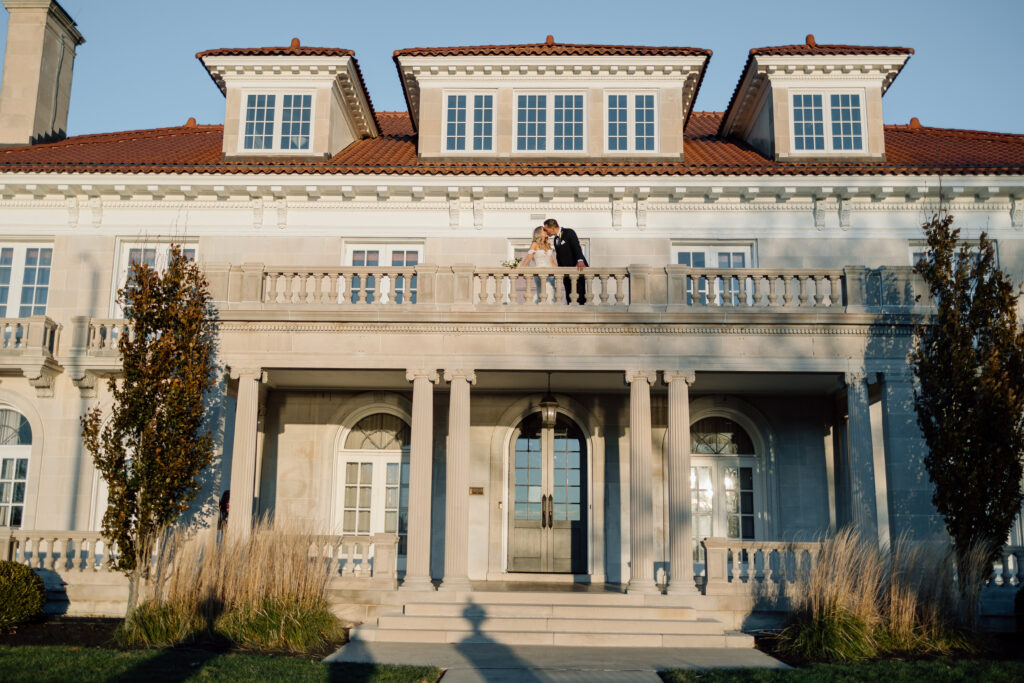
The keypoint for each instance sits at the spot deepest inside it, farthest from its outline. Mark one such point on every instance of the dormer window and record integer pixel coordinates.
(262, 111)
(631, 120)
(533, 111)
(469, 122)
(842, 118)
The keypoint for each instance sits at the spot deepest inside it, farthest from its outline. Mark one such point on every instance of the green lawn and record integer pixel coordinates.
(967, 670)
(82, 664)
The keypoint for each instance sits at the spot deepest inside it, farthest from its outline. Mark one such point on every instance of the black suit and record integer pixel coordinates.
(568, 253)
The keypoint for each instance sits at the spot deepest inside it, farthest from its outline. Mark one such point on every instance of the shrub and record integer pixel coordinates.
(22, 594)
(267, 590)
(159, 624)
(278, 624)
(859, 602)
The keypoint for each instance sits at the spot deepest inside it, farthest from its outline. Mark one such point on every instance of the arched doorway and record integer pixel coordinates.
(725, 482)
(15, 450)
(373, 479)
(548, 497)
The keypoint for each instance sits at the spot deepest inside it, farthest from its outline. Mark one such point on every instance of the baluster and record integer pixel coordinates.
(484, 279)
(556, 294)
(787, 297)
(364, 564)
(803, 290)
(621, 283)
(361, 295)
(819, 295)
(1005, 578)
(758, 296)
(605, 290)
(757, 562)
(772, 294)
(836, 295)
(407, 288)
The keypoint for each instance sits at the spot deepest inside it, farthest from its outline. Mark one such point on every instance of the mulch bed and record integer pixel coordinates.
(80, 631)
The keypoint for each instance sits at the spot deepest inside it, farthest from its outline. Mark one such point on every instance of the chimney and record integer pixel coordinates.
(36, 88)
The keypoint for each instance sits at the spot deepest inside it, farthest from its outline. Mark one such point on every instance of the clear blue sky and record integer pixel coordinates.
(138, 69)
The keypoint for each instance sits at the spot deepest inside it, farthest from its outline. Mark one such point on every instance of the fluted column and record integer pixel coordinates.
(680, 532)
(421, 454)
(456, 494)
(243, 451)
(641, 508)
(861, 457)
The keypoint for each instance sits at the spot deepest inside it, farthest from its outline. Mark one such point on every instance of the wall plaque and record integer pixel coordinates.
(476, 490)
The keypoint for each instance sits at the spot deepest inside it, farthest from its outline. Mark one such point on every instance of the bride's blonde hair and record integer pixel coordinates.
(540, 238)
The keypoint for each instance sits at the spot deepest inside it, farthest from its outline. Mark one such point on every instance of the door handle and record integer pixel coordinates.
(551, 510)
(543, 511)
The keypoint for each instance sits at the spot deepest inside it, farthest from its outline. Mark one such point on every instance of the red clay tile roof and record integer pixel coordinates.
(292, 50)
(197, 149)
(552, 48)
(811, 48)
(825, 50)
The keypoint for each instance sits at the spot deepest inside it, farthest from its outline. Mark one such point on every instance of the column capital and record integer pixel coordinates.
(429, 373)
(247, 371)
(468, 375)
(854, 377)
(688, 376)
(649, 376)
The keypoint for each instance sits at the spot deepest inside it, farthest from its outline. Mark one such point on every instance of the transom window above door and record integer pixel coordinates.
(469, 122)
(550, 122)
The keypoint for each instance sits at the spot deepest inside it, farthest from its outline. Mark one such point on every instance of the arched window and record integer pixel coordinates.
(725, 475)
(15, 449)
(373, 478)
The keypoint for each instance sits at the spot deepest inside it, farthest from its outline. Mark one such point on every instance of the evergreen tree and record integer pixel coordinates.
(969, 363)
(153, 447)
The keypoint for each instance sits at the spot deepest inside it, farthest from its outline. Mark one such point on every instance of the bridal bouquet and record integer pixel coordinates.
(511, 264)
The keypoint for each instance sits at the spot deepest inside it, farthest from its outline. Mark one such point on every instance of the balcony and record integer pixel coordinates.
(27, 347)
(668, 292)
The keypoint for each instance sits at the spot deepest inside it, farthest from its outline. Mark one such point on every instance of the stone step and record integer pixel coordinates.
(554, 625)
(558, 597)
(488, 610)
(375, 634)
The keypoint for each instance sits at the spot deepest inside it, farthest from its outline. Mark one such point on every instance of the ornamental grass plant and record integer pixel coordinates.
(860, 602)
(264, 591)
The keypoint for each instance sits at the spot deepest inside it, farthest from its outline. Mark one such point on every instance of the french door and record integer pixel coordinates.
(548, 494)
(375, 495)
(725, 497)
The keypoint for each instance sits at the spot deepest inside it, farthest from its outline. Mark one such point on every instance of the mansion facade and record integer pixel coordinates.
(732, 364)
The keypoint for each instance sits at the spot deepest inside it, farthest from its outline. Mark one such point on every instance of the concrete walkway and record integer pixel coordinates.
(532, 664)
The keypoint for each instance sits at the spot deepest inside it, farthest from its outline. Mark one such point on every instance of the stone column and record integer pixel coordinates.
(641, 507)
(911, 511)
(680, 532)
(421, 455)
(861, 457)
(456, 494)
(243, 452)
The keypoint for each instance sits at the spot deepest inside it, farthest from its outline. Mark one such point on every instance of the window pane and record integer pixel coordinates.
(807, 135)
(456, 130)
(844, 109)
(259, 121)
(35, 282)
(568, 127)
(643, 115)
(483, 121)
(531, 120)
(618, 120)
(295, 118)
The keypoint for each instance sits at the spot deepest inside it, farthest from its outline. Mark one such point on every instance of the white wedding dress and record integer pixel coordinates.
(542, 292)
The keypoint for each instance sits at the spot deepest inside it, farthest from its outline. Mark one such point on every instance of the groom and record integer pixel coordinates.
(568, 254)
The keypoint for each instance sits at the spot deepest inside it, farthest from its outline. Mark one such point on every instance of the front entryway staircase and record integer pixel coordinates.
(590, 618)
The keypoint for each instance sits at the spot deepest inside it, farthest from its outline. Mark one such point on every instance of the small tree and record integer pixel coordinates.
(969, 362)
(153, 447)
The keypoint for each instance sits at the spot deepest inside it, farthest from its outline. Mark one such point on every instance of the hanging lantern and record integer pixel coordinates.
(548, 407)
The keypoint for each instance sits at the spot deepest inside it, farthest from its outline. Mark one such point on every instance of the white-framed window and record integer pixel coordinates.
(153, 254)
(704, 290)
(24, 279)
(469, 122)
(15, 452)
(276, 121)
(519, 247)
(918, 248)
(631, 122)
(550, 122)
(373, 479)
(828, 122)
(374, 255)
(725, 482)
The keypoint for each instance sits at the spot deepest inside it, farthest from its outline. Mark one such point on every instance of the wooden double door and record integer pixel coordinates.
(548, 495)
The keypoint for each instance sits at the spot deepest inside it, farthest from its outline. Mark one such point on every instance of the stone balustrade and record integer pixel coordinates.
(635, 288)
(732, 565)
(103, 334)
(36, 335)
(1006, 571)
(69, 552)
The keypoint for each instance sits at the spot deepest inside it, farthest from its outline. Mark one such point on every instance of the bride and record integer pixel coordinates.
(541, 256)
